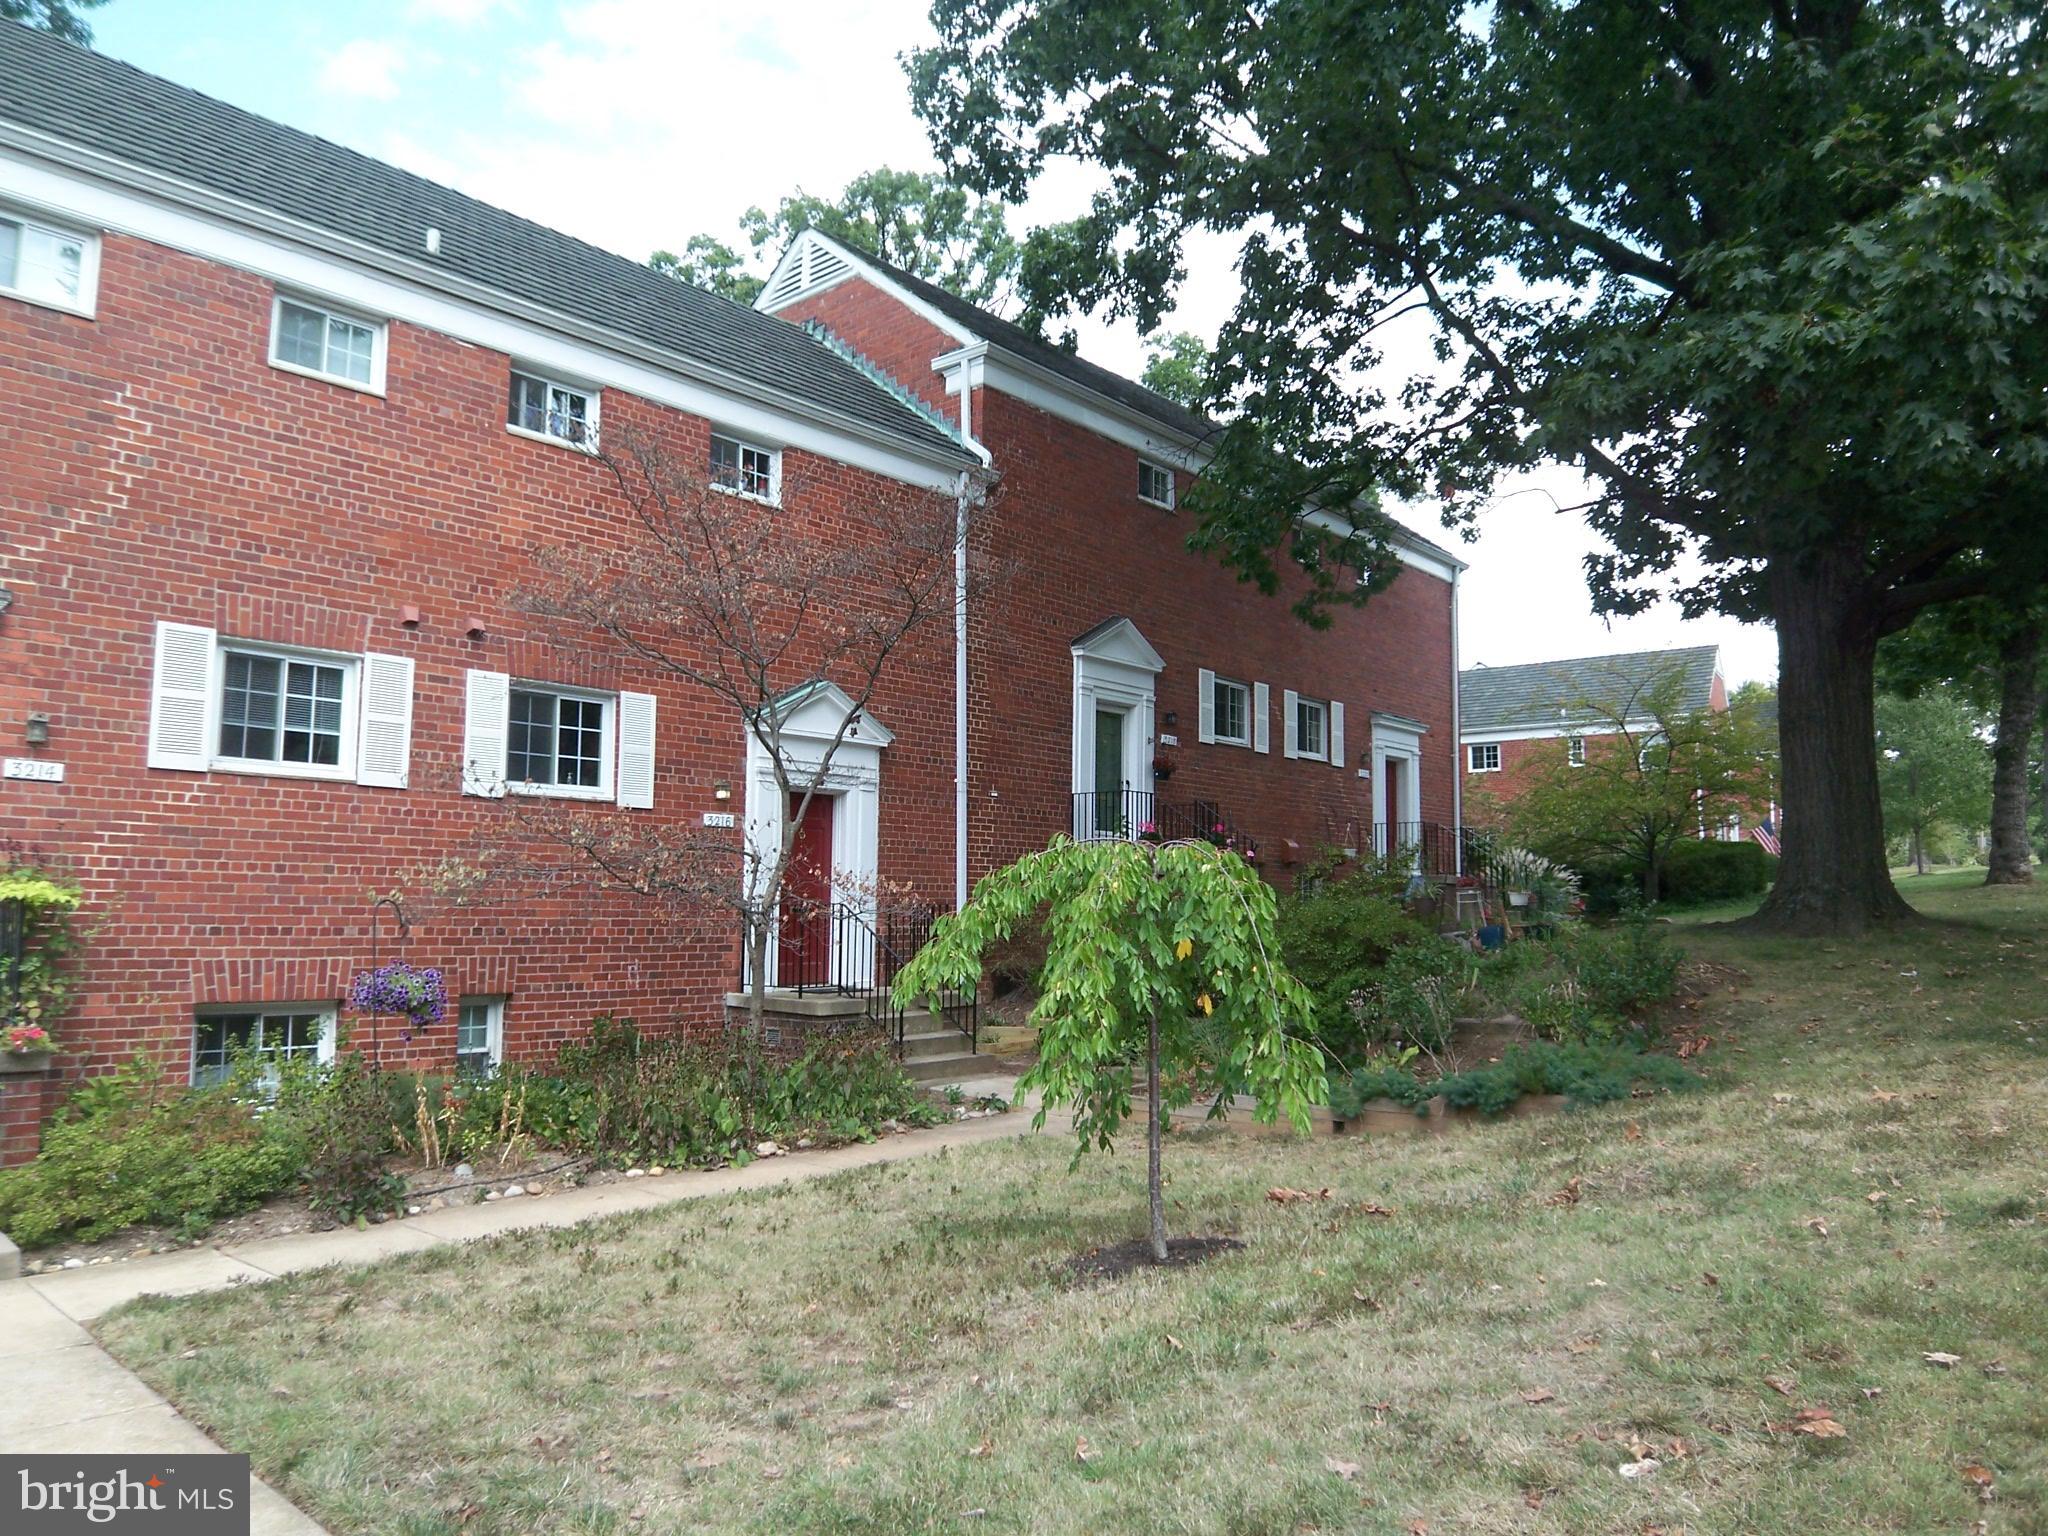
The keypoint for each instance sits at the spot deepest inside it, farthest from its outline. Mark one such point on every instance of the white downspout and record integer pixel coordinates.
(965, 375)
(1457, 737)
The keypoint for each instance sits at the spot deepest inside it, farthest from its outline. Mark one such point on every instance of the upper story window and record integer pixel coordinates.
(46, 264)
(1483, 756)
(1575, 751)
(1311, 728)
(747, 468)
(308, 338)
(556, 742)
(1233, 713)
(1155, 484)
(561, 413)
(285, 710)
(220, 1038)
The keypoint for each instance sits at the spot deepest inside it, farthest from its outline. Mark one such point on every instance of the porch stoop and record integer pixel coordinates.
(936, 1052)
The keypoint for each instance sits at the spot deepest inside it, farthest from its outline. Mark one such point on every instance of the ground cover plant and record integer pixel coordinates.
(1471, 1333)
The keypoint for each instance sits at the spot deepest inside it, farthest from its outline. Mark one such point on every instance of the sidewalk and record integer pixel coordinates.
(66, 1394)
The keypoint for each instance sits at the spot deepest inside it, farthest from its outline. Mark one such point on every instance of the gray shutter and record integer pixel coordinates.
(1337, 733)
(636, 751)
(1262, 706)
(181, 698)
(384, 735)
(1205, 709)
(486, 718)
(1290, 724)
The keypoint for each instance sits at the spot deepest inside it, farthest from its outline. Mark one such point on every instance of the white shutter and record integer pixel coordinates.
(1337, 733)
(486, 716)
(636, 750)
(1262, 706)
(384, 740)
(1290, 724)
(1205, 709)
(180, 698)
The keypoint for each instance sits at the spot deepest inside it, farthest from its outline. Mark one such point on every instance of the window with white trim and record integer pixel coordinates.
(558, 742)
(1311, 728)
(560, 413)
(223, 1036)
(1483, 757)
(1155, 484)
(746, 468)
(1233, 713)
(47, 264)
(1575, 751)
(282, 708)
(309, 338)
(479, 1036)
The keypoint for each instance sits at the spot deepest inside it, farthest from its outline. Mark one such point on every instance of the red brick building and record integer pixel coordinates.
(287, 425)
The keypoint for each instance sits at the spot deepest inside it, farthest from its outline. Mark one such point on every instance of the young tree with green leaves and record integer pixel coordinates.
(1773, 273)
(1163, 955)
(1933, 767)
(1653, 773)
(931, 227)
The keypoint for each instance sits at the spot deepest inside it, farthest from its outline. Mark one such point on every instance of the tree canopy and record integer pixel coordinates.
(63, 17)
(931, 227)
(1775, 275)
(1177, 366)
(1934, 767)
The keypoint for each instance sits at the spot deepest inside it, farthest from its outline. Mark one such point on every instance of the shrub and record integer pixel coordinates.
(1624, 967)
(133, 1150)
(1337, 938)
(1696, 873)
(336, 1119)
(1416, 994)
(1584, 1073)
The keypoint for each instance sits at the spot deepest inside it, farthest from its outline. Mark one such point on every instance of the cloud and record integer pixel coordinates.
(365, 67)
(458, 13)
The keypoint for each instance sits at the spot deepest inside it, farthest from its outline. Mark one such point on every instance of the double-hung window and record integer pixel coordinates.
(480, 1036)
(746, 468)
(1483, 756)
(1233, 713)
(556, 742)
(278, 708)
(1155, 484)
(1311, 728)
(561, 413)
(1575, 751)
(46, 264)
(220, 1037)
(310, 338)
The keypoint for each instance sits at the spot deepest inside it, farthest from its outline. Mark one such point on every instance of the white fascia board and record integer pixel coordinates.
(858, 265)
(111, 194)
(1551, 732)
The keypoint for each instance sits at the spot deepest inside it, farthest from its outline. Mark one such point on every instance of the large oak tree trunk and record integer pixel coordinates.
(1832, 876)
(2012, 854)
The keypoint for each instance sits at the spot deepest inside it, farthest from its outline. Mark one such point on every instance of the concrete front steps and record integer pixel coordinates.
(935, 1052)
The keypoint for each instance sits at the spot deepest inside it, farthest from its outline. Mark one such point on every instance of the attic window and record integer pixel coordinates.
(1155, 484)
(746, 469)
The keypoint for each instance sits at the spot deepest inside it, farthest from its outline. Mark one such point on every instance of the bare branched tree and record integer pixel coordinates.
(757, 594)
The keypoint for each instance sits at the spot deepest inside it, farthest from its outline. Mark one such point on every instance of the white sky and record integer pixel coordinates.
(635, 123)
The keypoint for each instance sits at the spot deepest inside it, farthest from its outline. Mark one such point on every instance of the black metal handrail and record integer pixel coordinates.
(1439, 851)
(840, 949)
(1141, 815)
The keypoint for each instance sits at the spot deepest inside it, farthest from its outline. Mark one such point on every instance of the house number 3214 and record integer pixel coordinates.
(42, 771)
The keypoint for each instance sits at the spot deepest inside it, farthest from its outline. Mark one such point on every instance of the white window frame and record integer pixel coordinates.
(1575, 751)
(351, 709)
(88, 262)
(1164, 473)
(323, 1051)
(1320, 753)
(1245, 693)
(1472, 757)
(379, 342)
(607, 745)
(591, 397)
(494, 1031)
(746, 446)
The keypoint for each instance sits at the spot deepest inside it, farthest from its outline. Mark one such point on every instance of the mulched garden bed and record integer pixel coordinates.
(1122, 1259)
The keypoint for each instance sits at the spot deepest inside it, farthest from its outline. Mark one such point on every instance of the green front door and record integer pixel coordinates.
(1109, 773)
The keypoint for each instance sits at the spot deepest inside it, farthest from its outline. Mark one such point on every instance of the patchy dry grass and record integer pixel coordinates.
(903, 1350)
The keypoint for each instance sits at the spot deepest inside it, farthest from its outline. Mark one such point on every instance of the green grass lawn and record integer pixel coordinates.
(1862, 1181)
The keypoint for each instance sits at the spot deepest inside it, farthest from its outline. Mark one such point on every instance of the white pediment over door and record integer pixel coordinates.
(1118, 642)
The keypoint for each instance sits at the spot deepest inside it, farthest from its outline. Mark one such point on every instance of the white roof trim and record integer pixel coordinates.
(819, 714)
(1122, 643)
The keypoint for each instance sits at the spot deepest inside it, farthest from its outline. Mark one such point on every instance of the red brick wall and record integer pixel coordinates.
(155, 467)
(885, 331)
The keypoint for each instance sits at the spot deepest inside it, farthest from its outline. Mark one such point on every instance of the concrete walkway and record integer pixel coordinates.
(66, 1394)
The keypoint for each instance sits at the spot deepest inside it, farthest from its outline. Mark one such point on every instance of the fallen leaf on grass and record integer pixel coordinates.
(1817, 1422)
(1817, 1224)
(1344, 1469)
(1173, 1343)
(1569, 1195)
(1883, 1096)
(1637, 1469)
(1632, 1132)
(1979, 1477)
(1083, 1451)
(1708, 1277)
(1534, 1395)
(1370, 1209)
(1580, 1346)
(1942, 1358)
(1365, 1301)
(982, 1451)
(1692, 1045)
(1780, 1385)
(1877, 1197)
(1285, 1196)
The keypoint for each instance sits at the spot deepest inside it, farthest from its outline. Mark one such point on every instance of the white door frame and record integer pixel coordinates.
(1115, 669)
(1395, 738)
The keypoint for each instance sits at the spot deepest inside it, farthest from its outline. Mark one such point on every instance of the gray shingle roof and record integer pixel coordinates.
(73, 94)
(1544, 692)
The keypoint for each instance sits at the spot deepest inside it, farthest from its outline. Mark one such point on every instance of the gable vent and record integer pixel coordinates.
(813, 267)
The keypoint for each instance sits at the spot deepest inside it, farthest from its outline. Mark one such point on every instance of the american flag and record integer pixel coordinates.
(1764, 834)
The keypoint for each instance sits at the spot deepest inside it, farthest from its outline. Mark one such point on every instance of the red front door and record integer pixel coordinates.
(1390, 788)
(805, 951)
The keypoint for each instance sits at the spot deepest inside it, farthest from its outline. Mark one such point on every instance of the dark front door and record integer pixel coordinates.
(805, 953)
(1109, 772)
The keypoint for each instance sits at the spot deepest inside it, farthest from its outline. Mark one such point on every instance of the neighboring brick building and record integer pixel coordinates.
(1511, 718)
(265, 502)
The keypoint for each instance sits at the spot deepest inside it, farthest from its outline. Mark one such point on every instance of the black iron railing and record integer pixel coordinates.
(1140, 814)
(837, 949)
(1438, 851)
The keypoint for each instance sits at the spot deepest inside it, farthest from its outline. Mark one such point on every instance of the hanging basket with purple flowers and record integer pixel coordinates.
(417, 992)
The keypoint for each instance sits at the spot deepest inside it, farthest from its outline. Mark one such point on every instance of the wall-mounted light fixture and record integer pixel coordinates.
(721, 790)
(6, 599)
(37, 733)
(1172, 719)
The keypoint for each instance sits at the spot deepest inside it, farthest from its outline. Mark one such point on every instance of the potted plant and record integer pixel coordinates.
(1162, 767)
(418, 993)
(26, 1048)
